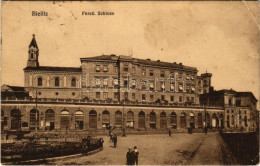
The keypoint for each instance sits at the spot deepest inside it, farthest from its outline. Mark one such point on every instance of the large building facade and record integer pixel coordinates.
(120, 91)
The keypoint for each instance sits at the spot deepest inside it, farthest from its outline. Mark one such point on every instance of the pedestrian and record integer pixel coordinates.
(136, 154)
(206, 130)
(101, 142)
(115, 140)
(129, 157)
(170, 133)
(111, 137)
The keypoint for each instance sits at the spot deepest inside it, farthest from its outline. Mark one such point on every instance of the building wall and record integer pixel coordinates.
(86, 109)
(48, 88)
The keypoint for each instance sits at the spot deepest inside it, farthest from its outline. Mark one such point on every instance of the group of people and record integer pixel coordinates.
(132, 156)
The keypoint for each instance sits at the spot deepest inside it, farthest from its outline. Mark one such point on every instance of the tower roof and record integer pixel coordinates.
(33, 42)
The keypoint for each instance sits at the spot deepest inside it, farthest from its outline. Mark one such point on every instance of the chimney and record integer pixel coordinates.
(148, 59)
(158, 60)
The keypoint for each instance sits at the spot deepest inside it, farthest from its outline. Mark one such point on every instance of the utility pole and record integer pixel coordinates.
(36, 115)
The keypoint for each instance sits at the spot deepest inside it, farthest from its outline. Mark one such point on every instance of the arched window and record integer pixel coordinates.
(183, 120)
(39, 81)
(31, 55)
(214, 121)
(173, 120)
(93, 119)
(200, 120)
(79, 120)
(73, 82)
(57, 81)
(152, 120)
(207, 119)
(130, 119)
(141, 119)
(105, 119)
(64, 120)
(15, 119)
(49, 119)
(118, 119)
(163, 121)
(192, 120)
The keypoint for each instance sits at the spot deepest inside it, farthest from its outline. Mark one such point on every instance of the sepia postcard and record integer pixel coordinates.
(130, 82)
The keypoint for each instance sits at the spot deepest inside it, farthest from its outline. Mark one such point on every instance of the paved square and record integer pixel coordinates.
(153, 149)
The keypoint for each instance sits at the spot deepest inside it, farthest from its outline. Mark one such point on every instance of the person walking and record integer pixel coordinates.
(115, 140)
(170, 133)
(101, 142)
(136, 154)
(206, 130)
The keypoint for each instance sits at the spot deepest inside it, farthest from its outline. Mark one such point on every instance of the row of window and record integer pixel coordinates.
(104, 68)
(116, 96)
(56, 93)
(56, 82)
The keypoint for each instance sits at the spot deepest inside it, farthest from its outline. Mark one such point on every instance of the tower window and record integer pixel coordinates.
(39, 81)
(31, 55)
(56, 93)
(73, 82)
(57, 81)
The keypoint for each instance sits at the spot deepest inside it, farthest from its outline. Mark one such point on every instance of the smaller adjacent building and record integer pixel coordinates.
(240, 107)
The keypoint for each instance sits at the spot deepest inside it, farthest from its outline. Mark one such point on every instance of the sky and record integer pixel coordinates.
(220, 37)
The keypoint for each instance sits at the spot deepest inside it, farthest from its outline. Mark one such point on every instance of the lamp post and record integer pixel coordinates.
(36, 115)
(123, 128)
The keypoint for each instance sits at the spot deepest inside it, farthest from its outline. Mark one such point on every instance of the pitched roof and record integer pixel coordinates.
(246, 94)
(50, 68)
(142, 61)
(33, 42)
(12, 88)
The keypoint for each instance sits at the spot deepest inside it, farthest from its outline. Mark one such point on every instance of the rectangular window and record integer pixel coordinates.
(188, 98)
(230, 102)
(97, 68)
(105, 68)
(143, 85)
(172, 98)
(125, 95)
(97, 81)
(133, 70)
(180, 99)
(162, 86)
(151, 97)
(163, 97)
(133, 96)
(115, 69)
(116, 96)
(125, 82)
(5, 121)
(97, 95)
(105, 81)
(105, 95)
(151, 73)
(192, 99)
(133, 84)
(162, 73)
(143, 97)
(125, 67)
(151, 85)
(143, 72)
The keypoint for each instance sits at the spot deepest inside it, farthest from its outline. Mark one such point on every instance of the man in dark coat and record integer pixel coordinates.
(101, 142)
(115, 140)
(170, 133)
(130, 157)
(136, 153)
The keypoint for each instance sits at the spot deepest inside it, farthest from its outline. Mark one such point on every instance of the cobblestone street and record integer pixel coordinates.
(156, 150)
